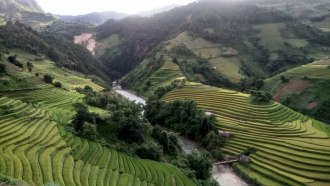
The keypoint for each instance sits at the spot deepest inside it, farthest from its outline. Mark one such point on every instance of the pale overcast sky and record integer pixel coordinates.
(75, 7)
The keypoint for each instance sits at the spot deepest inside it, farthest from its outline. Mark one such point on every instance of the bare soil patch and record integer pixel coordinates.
(294, 85)
(311, 105)
(87, 40)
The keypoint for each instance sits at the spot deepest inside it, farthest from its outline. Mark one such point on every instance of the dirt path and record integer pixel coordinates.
(86, 39)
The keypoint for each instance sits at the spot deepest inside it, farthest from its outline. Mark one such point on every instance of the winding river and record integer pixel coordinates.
(223, 174)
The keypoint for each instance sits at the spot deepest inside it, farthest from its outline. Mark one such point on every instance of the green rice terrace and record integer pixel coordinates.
(291, 149)
(36, 149)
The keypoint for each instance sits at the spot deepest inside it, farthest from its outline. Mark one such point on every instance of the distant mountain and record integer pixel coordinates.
(95, 18)
(7, 6)
(25, 11)
(152, 12)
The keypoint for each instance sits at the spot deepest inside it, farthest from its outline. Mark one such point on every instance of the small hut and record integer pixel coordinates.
(224, 134)
(244, 159)
(209, 113)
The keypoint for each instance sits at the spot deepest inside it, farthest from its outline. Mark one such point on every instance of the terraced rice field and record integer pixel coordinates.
(290, 151)
(57, 101)
(163, 76)
(69, 79)
(36, 149)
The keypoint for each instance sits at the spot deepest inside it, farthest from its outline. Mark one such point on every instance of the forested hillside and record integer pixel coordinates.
(240, 26)
(62, 51)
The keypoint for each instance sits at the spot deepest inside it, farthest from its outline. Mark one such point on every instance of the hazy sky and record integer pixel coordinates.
(74, 7)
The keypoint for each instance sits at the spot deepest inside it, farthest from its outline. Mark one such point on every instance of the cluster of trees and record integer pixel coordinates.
(101, 99)
(14, 61)
(85, 122)
(199, 167)
(125, 121)
(168, 140)
(261, 96)
(182, 116)
(49, 79)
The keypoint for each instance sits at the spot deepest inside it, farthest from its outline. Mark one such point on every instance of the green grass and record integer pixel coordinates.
(163, 76)
(69, 79)
(229, 67)
(110, 43)
(323, 25)
(297, 43)
(292, 149)
(270, 35)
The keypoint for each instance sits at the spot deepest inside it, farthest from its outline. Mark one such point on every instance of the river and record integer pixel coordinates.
(223, 174)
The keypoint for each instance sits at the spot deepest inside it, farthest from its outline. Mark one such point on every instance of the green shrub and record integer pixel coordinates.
(261, 96)
(48, 79)
(2, 68)
(149, 151)
(58, 84)
(6, 180)
(201, 164)
(14, 61)
(30, 66)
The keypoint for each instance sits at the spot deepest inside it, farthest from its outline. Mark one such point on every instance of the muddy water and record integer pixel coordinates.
(223, 174)
(129, 95)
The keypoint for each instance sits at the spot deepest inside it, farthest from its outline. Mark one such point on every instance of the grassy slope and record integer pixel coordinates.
(109, 44)
(305, 11)
(162, 71)
(273, 39)
(290, 151)
(229, 67)
(69, 79)
(315, 72)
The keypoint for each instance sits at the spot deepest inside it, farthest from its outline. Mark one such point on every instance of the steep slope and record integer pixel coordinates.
(312, 12)
(49, 45)
(304, 88)
(25, 11)
(291, 149)
(241, 31)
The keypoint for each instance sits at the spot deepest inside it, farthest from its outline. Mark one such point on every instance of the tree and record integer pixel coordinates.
(284, 79)
(2, 68)
(89, 131)
(261, 96)
(131, 132)
(48, 79)
(149, 151)
(58, 84)
(201, 164)
(13, 60)
(30, 66)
